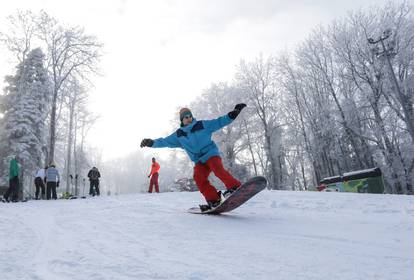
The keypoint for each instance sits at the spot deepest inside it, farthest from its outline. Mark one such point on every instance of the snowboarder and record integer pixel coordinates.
(155, 167)
(195, 138)
(14, 173)
(94, 176)
(52, 181)
(39, 183)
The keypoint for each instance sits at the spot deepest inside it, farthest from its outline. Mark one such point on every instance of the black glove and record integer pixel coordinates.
(237, 109)
(149, 176)
(239, 106)
(57, 185)
(147, 142)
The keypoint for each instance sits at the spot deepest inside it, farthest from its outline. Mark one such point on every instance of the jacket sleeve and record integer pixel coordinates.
(216, 124)
(170, 141)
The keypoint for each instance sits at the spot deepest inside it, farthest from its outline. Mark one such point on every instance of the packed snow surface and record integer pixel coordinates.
(276, 235)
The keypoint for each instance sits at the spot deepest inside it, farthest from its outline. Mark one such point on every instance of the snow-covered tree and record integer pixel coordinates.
(25, 106)
(70, 53)
(19, 33)
(258, 83)
(351, 99)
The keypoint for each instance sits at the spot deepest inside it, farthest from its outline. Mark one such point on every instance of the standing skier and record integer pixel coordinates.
(13, 189)
(94, 176)
(52, 181)
(195, 138)
(39, 183)
(155, 167)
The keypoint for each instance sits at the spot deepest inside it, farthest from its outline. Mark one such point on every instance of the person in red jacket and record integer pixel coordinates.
(155, 167)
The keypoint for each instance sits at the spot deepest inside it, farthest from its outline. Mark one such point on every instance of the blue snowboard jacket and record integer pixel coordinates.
(195, 138)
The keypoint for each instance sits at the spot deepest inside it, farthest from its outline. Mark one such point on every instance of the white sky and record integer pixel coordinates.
(161, 54)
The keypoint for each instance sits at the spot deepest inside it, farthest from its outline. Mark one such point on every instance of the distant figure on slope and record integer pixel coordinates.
(195, 138)
(14, 172)
(94, 176)
(39, 183)
(155, 167)
(52, 181)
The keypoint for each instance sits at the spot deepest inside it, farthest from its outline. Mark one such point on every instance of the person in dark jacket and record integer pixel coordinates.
(39, 183)
(94, 176)
(195, 138)
(52, 181)
(14, 172)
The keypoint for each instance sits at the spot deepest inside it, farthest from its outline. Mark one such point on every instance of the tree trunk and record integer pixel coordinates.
(249, 144)
(70, 140)
(52, 139)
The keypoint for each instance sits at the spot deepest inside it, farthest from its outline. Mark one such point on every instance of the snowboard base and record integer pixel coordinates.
(246, 191)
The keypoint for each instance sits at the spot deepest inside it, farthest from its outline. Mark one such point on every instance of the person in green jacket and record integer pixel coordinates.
(13, 181)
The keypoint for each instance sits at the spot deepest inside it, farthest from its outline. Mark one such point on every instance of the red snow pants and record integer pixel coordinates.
(154, 182)
(203, 170)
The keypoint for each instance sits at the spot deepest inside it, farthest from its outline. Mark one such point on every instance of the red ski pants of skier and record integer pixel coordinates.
(154, 182)
(203, 170)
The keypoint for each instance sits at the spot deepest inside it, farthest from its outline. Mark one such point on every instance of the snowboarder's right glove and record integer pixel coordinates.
(147, 142)
(237, 109)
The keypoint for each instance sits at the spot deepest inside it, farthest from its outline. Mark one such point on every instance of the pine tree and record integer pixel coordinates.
(24, 105)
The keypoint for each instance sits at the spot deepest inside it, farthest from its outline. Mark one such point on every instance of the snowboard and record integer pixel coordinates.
(237, 198)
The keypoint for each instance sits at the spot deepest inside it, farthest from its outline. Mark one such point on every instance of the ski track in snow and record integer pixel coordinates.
(276, 235)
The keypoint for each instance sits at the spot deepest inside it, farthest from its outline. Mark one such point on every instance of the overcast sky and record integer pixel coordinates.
(161, 54)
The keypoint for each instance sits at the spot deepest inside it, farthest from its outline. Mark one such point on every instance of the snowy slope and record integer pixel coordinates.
(277, 235)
